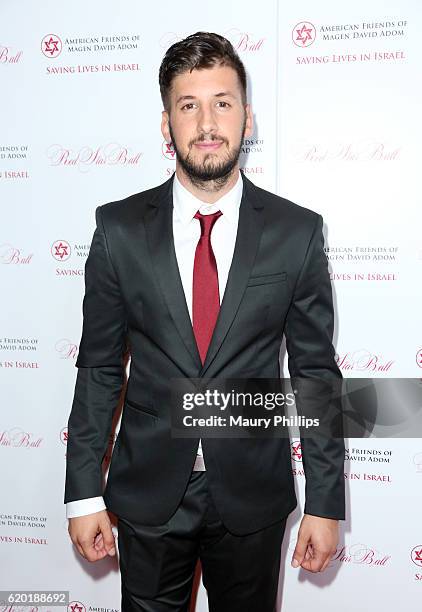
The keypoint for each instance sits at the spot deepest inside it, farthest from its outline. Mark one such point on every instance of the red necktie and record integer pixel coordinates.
(205, 294)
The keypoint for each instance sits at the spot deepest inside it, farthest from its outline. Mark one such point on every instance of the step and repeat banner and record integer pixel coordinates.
(336, 94)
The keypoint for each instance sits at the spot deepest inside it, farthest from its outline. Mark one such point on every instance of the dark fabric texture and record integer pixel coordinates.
(157, 563)
(134, 300)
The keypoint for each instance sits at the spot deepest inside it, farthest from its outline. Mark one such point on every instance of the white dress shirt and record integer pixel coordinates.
(186, 233)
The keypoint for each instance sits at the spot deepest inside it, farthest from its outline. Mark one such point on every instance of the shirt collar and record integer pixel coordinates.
(186, 204)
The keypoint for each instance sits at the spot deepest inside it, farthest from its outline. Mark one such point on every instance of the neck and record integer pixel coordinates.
(208, 191)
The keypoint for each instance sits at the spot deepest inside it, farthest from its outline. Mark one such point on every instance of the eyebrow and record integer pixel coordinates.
(221, 94)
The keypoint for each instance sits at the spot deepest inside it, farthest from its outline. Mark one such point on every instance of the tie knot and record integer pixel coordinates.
(207, 221)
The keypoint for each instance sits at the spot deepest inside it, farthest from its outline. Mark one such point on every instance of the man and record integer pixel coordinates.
(200, 276)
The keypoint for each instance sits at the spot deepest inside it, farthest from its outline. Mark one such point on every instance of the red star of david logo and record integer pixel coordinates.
(61, 250)
(76, 606)
(304, 34)
(416, 555)
(297, 451)
(168, 150)
(64, 435)
(51, 45)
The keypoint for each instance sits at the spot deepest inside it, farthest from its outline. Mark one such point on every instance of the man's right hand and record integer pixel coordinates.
(92, 535)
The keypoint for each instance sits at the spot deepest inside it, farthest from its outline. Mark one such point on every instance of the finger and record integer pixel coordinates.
(90, 552)
(80, 549)
(299, 551)
(327, 562)
(310, 566)
(316, 562)
(99, 541)
(108, 539)
(77, 545)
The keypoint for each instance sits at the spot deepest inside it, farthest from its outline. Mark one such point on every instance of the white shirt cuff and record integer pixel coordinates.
(81, 507)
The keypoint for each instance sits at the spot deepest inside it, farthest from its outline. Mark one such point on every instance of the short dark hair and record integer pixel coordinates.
(199, 50)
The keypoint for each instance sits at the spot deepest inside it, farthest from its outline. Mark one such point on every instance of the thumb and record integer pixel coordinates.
(108, 538)
(299, 552)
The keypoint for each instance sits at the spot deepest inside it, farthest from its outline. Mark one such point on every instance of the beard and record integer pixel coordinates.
(212, 173)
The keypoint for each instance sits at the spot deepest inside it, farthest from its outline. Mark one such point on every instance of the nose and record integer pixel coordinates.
(206, 120)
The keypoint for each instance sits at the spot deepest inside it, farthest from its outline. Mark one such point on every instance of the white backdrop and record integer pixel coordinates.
(336, 94)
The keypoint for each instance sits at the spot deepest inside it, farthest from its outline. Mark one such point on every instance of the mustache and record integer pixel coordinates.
(210, 138)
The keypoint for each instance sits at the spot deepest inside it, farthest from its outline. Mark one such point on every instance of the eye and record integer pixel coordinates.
(189, 104)
(226, 104)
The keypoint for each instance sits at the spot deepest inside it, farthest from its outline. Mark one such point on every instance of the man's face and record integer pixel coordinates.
(207, 122)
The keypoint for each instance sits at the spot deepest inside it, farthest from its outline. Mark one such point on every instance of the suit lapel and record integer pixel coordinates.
(159, 231)
(251, 222)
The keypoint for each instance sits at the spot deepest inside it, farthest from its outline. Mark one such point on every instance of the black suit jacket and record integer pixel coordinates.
(278, 282)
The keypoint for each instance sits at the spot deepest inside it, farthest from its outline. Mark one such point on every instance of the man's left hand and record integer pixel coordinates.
(316, 543)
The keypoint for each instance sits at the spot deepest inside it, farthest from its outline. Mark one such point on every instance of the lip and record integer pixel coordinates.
(209, 146)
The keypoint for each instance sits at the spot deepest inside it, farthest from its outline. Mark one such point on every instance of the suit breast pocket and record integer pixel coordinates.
(266, 279)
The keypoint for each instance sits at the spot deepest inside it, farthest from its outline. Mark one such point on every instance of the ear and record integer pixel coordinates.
(165, 126)
(249, 121)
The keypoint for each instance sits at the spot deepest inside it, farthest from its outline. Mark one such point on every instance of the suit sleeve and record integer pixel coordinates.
(311, 355)
(100, 374)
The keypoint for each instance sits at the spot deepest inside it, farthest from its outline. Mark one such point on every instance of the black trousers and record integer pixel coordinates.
(157, 563)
